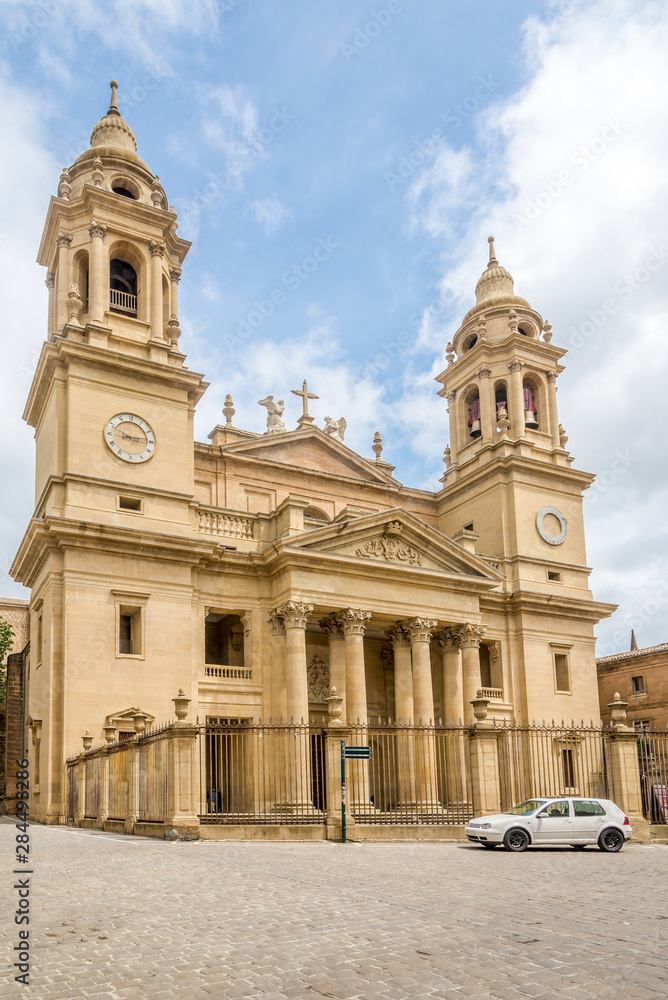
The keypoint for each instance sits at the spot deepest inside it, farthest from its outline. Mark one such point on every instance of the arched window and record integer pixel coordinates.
(124, 192)
(80, 277)
(472, 409)
(470, 342)
(530, 393)
(501, 400)
(122, 287)
(316, 514)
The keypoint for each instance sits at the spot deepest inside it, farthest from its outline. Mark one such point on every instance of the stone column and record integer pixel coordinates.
(487, 406)
(553, 419)
(50, 282)
(331, 625)
(403, 674)
(453, 688)
(174, 277)
(469, 640)
(279, 697)
(353, 622)
(404, 711)
(98, 278)
(63, 243)
(455, 431)
(420, 630)
(516, 401)
(337, 731)
(157, 325)
(294, 615)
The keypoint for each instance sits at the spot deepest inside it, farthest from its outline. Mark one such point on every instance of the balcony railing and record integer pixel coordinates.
(229, 673)
(123, 302)
(494, 694)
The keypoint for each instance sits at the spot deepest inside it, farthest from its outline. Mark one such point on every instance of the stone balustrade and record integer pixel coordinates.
(494, 694)
(212, 522)
(229, 673)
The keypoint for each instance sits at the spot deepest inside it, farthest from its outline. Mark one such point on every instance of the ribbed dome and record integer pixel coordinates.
(113, 130)
(495, 282)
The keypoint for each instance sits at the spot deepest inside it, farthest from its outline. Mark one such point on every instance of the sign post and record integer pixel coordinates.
(349, 753)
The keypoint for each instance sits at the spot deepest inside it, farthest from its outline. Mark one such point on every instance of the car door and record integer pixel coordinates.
(588, 821)
(553, 824)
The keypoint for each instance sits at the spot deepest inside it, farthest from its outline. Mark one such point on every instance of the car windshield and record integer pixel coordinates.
(524, 808)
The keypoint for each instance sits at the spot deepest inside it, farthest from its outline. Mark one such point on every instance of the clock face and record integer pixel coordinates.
(130, 437)
(551, 525)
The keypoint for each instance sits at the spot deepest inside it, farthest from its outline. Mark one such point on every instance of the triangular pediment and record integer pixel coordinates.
(311, 448)
(397, 538)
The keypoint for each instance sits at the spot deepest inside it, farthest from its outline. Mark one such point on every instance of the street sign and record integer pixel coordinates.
(349, 753)
(357, 753)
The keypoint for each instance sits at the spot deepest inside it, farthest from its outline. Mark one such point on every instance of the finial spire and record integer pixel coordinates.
(492, 254)
(113, 107)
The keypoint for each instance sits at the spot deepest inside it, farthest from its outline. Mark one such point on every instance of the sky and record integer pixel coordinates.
(395, 137)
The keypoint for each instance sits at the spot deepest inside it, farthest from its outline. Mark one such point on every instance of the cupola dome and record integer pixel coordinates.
(495, 282)
(113, 130)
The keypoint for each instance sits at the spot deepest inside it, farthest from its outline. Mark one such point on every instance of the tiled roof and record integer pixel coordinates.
(615, 657)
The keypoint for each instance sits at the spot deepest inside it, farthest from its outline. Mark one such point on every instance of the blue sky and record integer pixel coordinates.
(397, 135)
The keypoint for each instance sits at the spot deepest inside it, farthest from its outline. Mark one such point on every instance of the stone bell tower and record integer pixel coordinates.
(113, 260)
(509, 490)
(106, 553)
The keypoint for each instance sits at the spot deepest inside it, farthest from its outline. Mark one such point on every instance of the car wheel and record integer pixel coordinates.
(516, 840)
(611, 840)
(490, 847)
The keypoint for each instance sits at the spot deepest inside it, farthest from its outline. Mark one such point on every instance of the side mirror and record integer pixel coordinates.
(543, 814)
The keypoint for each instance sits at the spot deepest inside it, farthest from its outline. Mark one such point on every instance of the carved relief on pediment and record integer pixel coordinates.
(390, 547)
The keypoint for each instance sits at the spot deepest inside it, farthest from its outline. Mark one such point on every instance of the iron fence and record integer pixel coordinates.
(153, 778)
(92, 780)
(416, 775)
(118, 782)
(549, 761)
(72, 792)
(271, 774)
(653, 765)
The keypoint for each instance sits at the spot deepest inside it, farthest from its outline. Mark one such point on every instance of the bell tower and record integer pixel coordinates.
(113, 260)
(509, 490)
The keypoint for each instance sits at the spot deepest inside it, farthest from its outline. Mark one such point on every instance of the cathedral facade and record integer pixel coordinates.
(258, 570)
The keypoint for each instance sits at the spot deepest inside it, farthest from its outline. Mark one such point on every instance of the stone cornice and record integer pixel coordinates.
(530, 602)
(523, 469)
(65, 352)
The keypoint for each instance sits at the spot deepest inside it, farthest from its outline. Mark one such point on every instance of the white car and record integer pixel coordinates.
(566, 820)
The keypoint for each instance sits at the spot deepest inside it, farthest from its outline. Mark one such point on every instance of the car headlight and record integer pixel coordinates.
(485, 826)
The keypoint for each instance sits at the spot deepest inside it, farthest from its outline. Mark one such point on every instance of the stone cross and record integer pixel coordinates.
(306, 419)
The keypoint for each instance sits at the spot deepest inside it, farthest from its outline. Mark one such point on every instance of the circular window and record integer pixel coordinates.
(551, 525)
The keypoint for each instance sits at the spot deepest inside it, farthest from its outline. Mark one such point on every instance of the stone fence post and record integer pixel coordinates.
(182, 819)
(485, 779)
(625, 769)
(336, 731)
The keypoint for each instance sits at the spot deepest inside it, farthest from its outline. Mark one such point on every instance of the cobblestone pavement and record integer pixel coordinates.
(116, 917)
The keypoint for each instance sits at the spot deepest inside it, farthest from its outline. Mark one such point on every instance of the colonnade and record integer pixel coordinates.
(413, 688)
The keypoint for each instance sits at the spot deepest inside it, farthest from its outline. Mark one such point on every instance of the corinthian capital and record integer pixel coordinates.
(175, 273)
(470, 635)
(97, 229)
(515, 366)
(331, 625)
(157, 249)
(295, 613)
(63, 240)
(419, 629)
(551, 376)
(448, 639)
(353, 621)
(276, 622)
(398, 634)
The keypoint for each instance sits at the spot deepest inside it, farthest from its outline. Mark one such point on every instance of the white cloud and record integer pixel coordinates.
(569, 174)
(271, 214)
